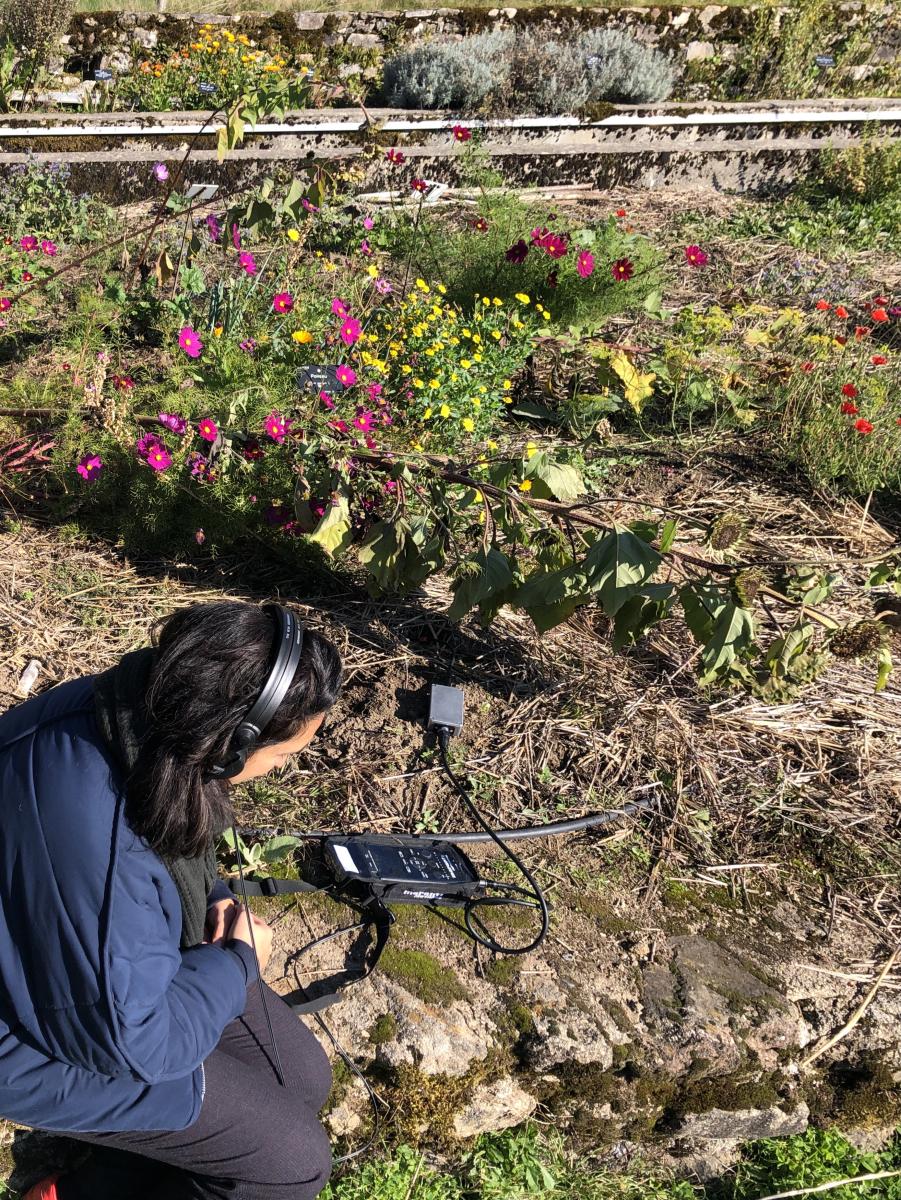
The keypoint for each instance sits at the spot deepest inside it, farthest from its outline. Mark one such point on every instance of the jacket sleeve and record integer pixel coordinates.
(168, 1007)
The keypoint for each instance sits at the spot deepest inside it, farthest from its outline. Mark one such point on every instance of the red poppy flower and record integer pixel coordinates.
(848, 389)
(840, 311)
(849, 409)
(842, 340)
(878, 360)
(879, 314)
(863, 426)
(823, 305)
(622, 270)
(620, 212)
(807, 366)
(861, 331)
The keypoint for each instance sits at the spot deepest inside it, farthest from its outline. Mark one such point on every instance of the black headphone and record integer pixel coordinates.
(288, 648)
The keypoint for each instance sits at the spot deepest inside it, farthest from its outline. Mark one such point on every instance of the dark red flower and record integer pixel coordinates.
(480, 225)
(841, 339)
(862, 331)
(622, 270)
(849, 390)
(850, 408)
(878, 360)
(27, 277)
(397, 157)
(461, 133)
(807, 366)
(419, 185)
(517, 252)
(552, 279)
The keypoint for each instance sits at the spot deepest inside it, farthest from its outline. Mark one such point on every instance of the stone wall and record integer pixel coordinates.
(716, 33)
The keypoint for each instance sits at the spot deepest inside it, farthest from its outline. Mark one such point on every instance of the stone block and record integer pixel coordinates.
(699, 50)
(309, 21)
(494, 1106)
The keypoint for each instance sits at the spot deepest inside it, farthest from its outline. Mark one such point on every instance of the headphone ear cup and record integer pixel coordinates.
(233, 765)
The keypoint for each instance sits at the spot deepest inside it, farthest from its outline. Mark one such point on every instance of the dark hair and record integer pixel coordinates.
(212, 661)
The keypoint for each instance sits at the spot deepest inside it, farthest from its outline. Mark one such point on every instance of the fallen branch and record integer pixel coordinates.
(833, 1183)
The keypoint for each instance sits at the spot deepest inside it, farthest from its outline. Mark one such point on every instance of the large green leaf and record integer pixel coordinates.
(553, 480)
(487, 574)
(733, 632)
(640, 612)
(885, 665)
(549, 597)
(702, 603)
(381, 551)
(617, 567)
(333, 533)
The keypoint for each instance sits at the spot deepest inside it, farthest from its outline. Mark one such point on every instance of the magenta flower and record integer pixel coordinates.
(282, 302)
(148, 442)
(461, 133)
(374, 392)
(49, 248)
(159, 458)
(189, 341)
(585, 264)
(556, 246)
(215, 229)
(397, 157)
(236, 236)
(208, 429)
(161, 172)
(326, 400)
(340, 308)
(517, 252)
(350, 331)
(346, 375)
(28, 243)
(365, 247)
(248, 345)
(383, 287)
(368, 223)
(341, 426)
(696, 256)
(248, 262)
(200, 467)
(363, 420)
(89, 466)
(539, 236)
(276, 426)
(174, 422)
(5, 304)
(309, 205)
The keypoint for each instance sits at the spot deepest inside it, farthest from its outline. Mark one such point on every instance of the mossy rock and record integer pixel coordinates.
(423, 975)
(383, 1029)
(504, 971)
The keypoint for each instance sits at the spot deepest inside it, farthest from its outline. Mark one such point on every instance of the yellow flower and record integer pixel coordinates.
(467, 333)
(476, 402)
(294, 235)
(526, 485)
(477, 338)
(491, 445)
(517, 324)
(418, 446)
(531, 449)
(417, 383)
(454, 341)
(468, 424)
(442, 289)
(406, 369)
(485, 301)
(372, 271)
(434, 383)
(465, 364)
(507, 385)
(497, 302)
(427, 413)
(302, 336)
(477, 358)
(423, 286)
(217, 331)
(496, 334)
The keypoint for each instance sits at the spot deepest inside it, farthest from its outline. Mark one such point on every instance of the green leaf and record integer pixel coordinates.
(617, 567)
(277, 848)
(652, 303)
(884, 660)
(550, 597)
(553, 480)
(333, 533)
(733, 632)
(702, 603)
(381, 552)
(640, 612)
(294, 197)
(222, 146)
(646, 530)
(668, 535)
(783, 650)
(494, 573)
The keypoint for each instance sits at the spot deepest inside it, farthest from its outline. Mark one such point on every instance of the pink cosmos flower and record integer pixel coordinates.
(190, 342)
(28, 243)
(517, 252)
(276, 426)
(326, 400)
(340, 308)
(161, 172)
(89, 466)
(368, 223)
(49, 248)
(248, 262)
(397, 157)
(461, 133)
(200, 467)
(148, 442)
(365, 247)
(585, 264)
(346, 375)
(696, 256)
(236, 236)
(341, 426)
(215, 229)
(282, 302)
(363, 420)
(5, 304)
(208, 429)
(248, 345)
(383, 287)
(374, 392)
(556, 246)
(350, 331)
(174, 422)
(159, 458)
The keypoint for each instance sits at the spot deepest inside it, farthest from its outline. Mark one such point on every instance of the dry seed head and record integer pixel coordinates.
(726, 531)
(746, 584)
(854, 641)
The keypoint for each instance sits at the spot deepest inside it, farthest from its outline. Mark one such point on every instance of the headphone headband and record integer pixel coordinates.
(288, 647)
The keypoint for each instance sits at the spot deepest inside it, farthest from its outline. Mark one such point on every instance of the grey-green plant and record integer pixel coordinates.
(454, 75)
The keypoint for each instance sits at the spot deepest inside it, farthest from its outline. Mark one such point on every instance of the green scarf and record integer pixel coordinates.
(119, 699)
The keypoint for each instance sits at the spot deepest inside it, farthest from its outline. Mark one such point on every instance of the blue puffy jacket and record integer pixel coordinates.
(104, 1022)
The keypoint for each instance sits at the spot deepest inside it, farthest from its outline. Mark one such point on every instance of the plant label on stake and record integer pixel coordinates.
(825, 60)
(316, 378)
(102, 74)
(208, 89)
(201, 191)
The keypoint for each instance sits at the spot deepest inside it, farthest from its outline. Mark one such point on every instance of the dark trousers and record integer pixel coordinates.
(253, 1140)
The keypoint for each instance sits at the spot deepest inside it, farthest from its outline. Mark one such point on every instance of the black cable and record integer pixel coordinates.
(444, 736)
(280, 1075)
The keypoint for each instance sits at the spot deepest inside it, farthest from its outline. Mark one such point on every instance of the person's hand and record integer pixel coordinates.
(262, 935)
(218, 919)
